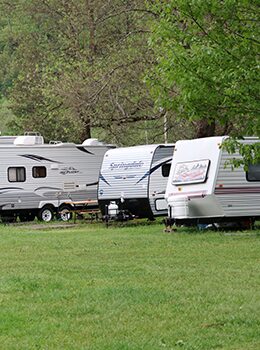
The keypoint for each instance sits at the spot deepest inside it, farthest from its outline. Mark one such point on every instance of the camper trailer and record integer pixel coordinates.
(42, 180)
(132, 181)
(203, 187)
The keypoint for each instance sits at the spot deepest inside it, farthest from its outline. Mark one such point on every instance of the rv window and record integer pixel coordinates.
(191, 172)
(39, 171)
(253, 173)
(166, 170)
(16, 174)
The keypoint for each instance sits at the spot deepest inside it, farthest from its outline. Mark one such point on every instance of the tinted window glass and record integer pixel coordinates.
(16, 174)
(39, 171)
(166, 170)
(253, 173)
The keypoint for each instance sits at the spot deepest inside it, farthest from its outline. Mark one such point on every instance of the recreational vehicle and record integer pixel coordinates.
(42, 180)
(132, 181)
(203, 187)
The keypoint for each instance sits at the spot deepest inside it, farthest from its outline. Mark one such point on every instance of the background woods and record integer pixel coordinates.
(129, 71)
(77, 65)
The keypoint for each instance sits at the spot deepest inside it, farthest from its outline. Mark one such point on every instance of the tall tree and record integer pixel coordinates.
(207, 63)
(80, 65)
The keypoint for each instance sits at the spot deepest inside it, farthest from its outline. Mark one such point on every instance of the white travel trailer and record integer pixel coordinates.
(203, 188)
(38, 179)
(132, 181)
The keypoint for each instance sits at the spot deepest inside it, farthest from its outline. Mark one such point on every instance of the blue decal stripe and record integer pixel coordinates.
(149, 172)
(103, 179)
(144, 176)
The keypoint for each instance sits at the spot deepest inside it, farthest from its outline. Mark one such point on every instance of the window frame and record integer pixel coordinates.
(37, 167)
(166, 165)
(192, 182)
(247, 173)
(16, 168)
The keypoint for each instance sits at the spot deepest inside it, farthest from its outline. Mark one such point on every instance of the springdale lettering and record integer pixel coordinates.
(126, 166)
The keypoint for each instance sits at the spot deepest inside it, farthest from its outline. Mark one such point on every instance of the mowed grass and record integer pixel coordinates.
(127, 288)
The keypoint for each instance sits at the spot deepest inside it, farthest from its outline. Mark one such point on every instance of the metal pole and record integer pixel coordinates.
(165, 127)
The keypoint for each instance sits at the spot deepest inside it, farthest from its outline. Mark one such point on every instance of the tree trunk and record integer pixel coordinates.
(86, 131)
(92, 33)
(205, 128)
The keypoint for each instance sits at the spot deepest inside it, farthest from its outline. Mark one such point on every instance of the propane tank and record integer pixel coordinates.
(112, 209)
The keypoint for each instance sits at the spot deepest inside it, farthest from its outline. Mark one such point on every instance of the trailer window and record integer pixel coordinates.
(166, 170)
(191, 172)
(16, 174)
(39, 171)
(253, 173)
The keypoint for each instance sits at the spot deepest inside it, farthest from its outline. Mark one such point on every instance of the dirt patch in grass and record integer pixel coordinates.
(46, 226)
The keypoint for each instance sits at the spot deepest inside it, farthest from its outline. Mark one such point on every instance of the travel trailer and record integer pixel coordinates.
(132, 181)
(203, 187)
(42, 180)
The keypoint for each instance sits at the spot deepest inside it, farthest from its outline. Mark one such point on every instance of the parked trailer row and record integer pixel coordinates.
(48, 180)
(202, 186)
(193, 181)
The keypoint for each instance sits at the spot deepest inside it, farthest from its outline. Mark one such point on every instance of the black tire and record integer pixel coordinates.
(64, 213)
(26, 216)
(46, 214)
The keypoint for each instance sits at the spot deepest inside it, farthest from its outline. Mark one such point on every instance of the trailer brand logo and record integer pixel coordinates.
(69, 170)
(126, 166)
(190, 172)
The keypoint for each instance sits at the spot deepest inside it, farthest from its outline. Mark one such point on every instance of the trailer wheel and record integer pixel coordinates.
(45, 214)
(28, 216)
(64, 213)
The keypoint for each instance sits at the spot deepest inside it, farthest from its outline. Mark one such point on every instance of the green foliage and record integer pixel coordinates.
(207, 61)
(72, 69)
(250, 152)
(79, 66)
(6, 116)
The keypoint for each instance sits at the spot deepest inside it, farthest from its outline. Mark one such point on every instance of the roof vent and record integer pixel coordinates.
(54, 142)
(29, 140)
(250, 138)
(92, 142)
(7, 139)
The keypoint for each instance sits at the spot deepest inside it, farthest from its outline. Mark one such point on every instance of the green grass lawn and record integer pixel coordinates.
(128, 288)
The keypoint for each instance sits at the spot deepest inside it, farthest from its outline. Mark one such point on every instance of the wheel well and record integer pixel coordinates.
(64, 205)
(49, 206)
